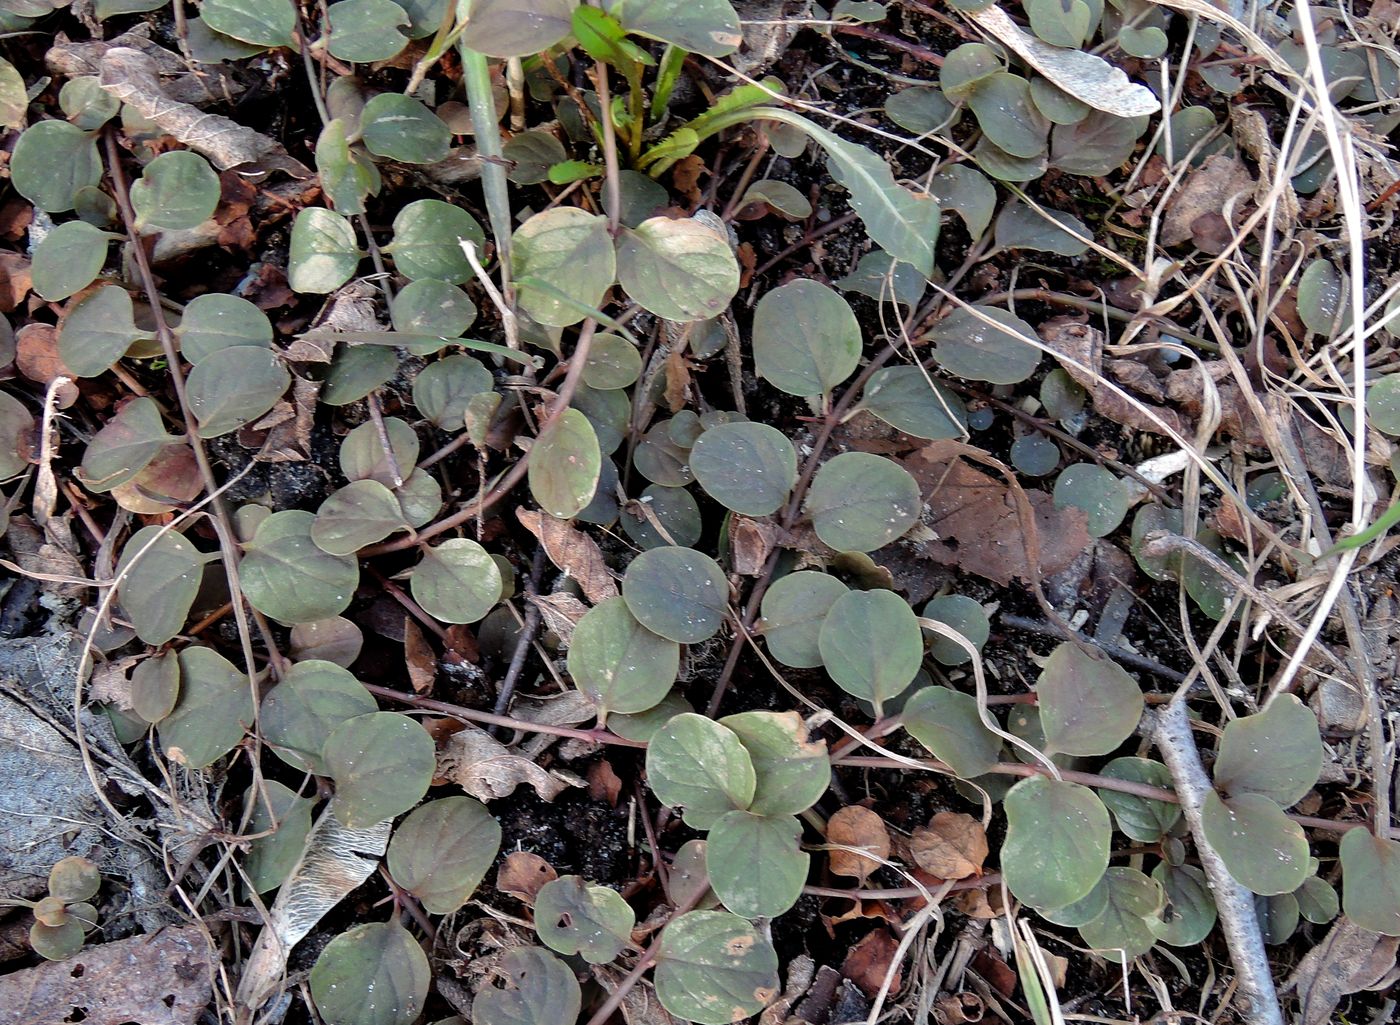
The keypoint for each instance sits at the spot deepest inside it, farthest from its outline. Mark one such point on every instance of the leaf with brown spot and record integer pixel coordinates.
(422, 663)
(522, 875)
(573, 551)
(854, 826)
(954, 846)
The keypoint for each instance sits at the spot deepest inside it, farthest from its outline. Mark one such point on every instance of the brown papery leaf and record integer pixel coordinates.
(1196, 212)
(854, 826)
(422, 663)
(1347, 961)
(1082, 345)
(488, 770)
(954, 846)
(573, 551)
(869, 962)
(522, 875)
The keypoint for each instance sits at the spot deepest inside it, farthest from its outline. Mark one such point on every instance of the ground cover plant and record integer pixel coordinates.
(532, 511)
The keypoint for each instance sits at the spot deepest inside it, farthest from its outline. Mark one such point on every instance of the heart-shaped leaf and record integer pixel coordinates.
(442, 390)
(155, 686)
(312, 699)
(97, 331)
(1020, 227)
(366, 30)
(124, 447)
(1188, 914)
(1088, 705)
(216, 703)
(871, 645)
(359, 514)
(400, 128)
(680, 269)
(362, 455)
(1121, 931)
(347, 175)
(806, 340)
(51, 162)
(1006, 115)
(967, 617)
(373, 974)
(1096, 491)
(947, 723)
(1049, 821)
(456, 582)
(709, 27)
(559, 254)
(1261, 846)
(218, 321)
(1371, 881)
(160, 576)
(792, 772)
(909, 400)
(286, 576)
(177, 190)
(983, 343)
(573, 917)
(678, 593)
(233, 387)
(700, 766)
(441, 852)
(755, 863)
(565, 462)
(271, 858)
(68, 259)
(715, 968)
(323, 253)
(382, 764)
(261, 22)
(747, 467)
(516, 28)
(1141, 818)
(859, 502)
(539, 988)
(794, 608)
(428, 236)
(1276, 753)
(619, 663)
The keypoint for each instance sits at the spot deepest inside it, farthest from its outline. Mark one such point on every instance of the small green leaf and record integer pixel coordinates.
(1141, 818)
(1188, 914)
(708, 27)
(620, 664)
(286, 576)
(1058, 106)
(74, 880)
(794, 608)
(1261, 846)
(366, 30)
(1098, 492)
(51, 162)
(400, 128)
(573, 917)
(382, 764)
(921, 109)
(361, 513)
(270, 859)
(1383, 401)
(755, 863)
(155, 686)
(660, 460)
(14, 98)
(177, 190)
(1021, 227)
(1088, 705)
(964, 66)
(313, 698)
(516, 28)
(714, 968)
(678, 593)
(362, 455)
(160, 576)
(442, 851)
(233, 387)
(56, 943)
(431, 307)
(983, 343)
(806, 340)
(1121, 931)
(675, 510)
(613, 362)
(871, 645)
(1278, 917)
(1097, 145)
(216, 703)
(747, 467)
(568, 250)
(16, 425)
(124, 447)
(373, 974)
(565, 462)
(1371, 881)
(1006, 115)
(948, 724)
(334, 640)
(68, 259)
(323, 253)
(442, 390)
(780, 196)
(456, 582)
(1276, 752)
(1321, 294)
(261, 22)
(700, 766)
(792, 772)
(964, 615)
(540, 988)
(1060, 22)
(681, 270)
(428, 236)
(1317, 901)
(859, 502)
(1051, 822)
(218, 321)
(883, 278)
(97, 331)
(347, 175)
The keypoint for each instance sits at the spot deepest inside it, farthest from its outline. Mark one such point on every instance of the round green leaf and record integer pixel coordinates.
(382, 764)
(700, 766)
(1321, 293)
(442, 390)
(755, 863)
(679, 269)
(970, 347)
(74, 880)
(1096, 145)
(1097, 491)
(794, 608)
(674, 508)
(1188, 914)
(1276, 752)
(1141, 818)
(619, 663)
(261, 22)
(1371, 881)
(356, 371)
(1062, 396)
(428, 236)
(1278, 917)
(909, 401)
(1006, 115)
(332, 640)
(362, 454)
(52, 161)
(806, 340)
(68, 259)
(608, 412)
(286, 576)
(56, 942)
(565, 462)
(155, 686)
(219, 321)
(367, 30)
(964, 615)
(516, 28)
(539, 988)
(573, 917)
(792, 772)
(323, 253)
(921, 109)
(613, 362)
(16, 423)
(964, 66)
(748, 467)
(1035, 454)
(1081, 912)
(678, 593)
(97, 331)
(1121, 931)
(644, 725)
(177, 190)
(232, 387)
(456, 582)
(298, 714)
(859, 502)
(871, 645)
(1383, 402)
(1317, 901)
(159, 583)
(373, 974)
(442, 851)
(1088, 704)
(431, 307)
(271, 859)
(563, 252)
(216, 702)
(1261, 846)
(714, 968)
(359, 514)
(124, 447)
(1051, 822)
(1058, 106)
(85, 103)
(660, 460)
(947, 723)
(347, 174)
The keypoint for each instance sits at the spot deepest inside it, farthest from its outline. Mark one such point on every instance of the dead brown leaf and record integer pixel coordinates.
(523, 875)
(1348, 960)
(979, 526)
(954, 846)
(561, 612)
(160, 979)
(418, 654)
(869, 962)
(1083, 343)
(573, 551)
(603, 782)
(488, 770)
(677, 381)
(168, 481)
(36, 357)
(1197, 210)
(15, 281)
(750, 544)
(855, 826)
